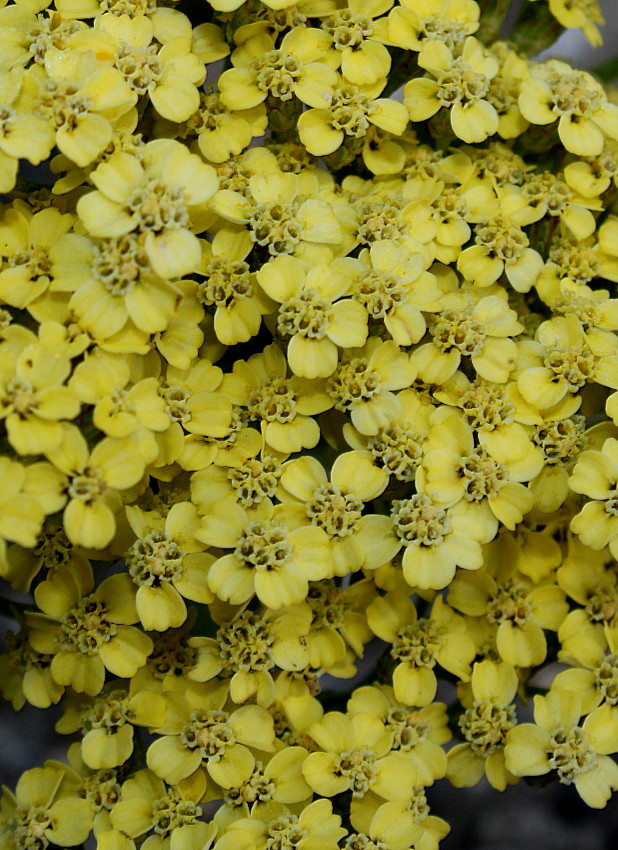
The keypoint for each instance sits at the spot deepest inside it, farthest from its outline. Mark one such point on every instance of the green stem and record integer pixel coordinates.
(535, 29)
(608, 72)
(493, 15)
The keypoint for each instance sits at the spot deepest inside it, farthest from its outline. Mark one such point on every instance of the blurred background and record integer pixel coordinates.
(523, 817)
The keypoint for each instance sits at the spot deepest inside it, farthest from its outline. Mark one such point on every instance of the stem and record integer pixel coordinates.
(493, 15)
(535, 29)
(608, 72)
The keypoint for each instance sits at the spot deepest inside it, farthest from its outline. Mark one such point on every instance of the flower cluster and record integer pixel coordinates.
(289, 363)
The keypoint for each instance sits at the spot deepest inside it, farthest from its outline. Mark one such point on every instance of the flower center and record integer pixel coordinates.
(337, 513)
(486, 408)
(509, 603)
(418, 522)
(327, 603)
(277, 72)
(398, 451)
(459, 330)
(61, 103)
(19, 397)
(86, 628)
(209, 732)
(562, 440)
(483, 476)
(607, 678)
(348, 29)
(381, 292)
(359, 767)
(602, 606)
(246, 643)
(572, 94)
(257, 787)
(171, 655)
(461, 83)
(353, 383)
(101, 788)
(107, 712)
(176, 401)
(571, 754)
(119, 264)
(154, 558)
(408, 727)
(273, 402)
(285, 833)
(574, 366)
(158, 207)
(380, 220)
(418, 644)
(171, 812)
(88, 486)
(141, 67)
(485, 726)
(226, 282)
(264, 546)
(276, 226)
(306, 314)
(255, 480)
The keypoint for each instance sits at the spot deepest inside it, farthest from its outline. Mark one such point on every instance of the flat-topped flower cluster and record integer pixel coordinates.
(289, 363)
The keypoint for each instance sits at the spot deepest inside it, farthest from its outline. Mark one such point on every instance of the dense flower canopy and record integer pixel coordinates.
(307, 339)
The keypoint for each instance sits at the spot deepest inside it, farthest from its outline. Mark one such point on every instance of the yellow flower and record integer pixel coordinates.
(517, 610)
(419, 644)
(591, 650)
(106, 723)
(114, 286)
(295, 69)
(314, 314)
(119, 410)
(223, 133)
(596, 475)
(80, 100)
(348, 112)
(268, 558)
(25, 674)
(22, 134)
(310, 500)
(415, 24)
(485, 725)
(91, 635)
(580, 14)
(547, 194)
(94, 479)
(356, 755)
(485, 479)
(284, 406)
(249, 647)
(168, 75)
(167, 563)
(315, 826)
(43, 810)
(150, 809)
(461, 84)
(31, 243)
(21, 512)
(480, 328)
(554, 91)
(159, 194)
(501, 248)
(284, 215)
(34, 398)
(397, 447)
(363, 384)
(396, 289)
(595, 589)
(556, 741)
(205, 737)
(362, 59)
(418, 732)
(436, 541)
